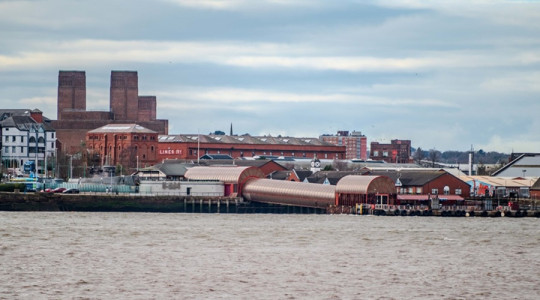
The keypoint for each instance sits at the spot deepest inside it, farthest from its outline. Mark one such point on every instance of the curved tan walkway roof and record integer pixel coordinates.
(289, 192)
(359, 184)
(225, 174)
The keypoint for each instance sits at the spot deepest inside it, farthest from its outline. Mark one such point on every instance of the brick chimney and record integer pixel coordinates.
(37, 115)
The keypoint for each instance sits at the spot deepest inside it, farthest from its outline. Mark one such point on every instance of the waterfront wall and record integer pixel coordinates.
(112, 202)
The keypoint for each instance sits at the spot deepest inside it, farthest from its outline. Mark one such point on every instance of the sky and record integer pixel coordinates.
(447, 75)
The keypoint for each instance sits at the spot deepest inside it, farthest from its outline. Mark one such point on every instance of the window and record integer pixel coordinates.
(410, 190)
(385, 154)
(14, 149)
(13, 138)
(7, 138)
(6, 150)
(419, 190)
(435, 191)
(446, 190)
(458, 191)
(375, 153)
(22, 149)
(22, 139)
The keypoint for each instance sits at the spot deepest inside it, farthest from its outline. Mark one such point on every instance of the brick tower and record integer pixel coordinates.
(124, 99)
(71, 92)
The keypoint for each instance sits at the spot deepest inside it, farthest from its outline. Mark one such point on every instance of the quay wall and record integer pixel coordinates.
(141, 203)
(112, 202)
(204, 204)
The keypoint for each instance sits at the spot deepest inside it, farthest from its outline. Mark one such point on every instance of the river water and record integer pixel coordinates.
(77, 255)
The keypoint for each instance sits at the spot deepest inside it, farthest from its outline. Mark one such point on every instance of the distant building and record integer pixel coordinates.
(398, 151)
(521, 165)
(27, 141)
(194, 146)
(129, 145)
(126, 107)
(355, 143)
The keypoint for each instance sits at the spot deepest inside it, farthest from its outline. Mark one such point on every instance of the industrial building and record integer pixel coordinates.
(129, 145)
(195, 145)
(126, 106)
(398, 151)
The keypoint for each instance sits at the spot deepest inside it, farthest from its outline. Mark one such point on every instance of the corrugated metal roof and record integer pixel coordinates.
(410, 177)
(501, 181)
(289, 193)
(121, 128)
(527, 164)
(358, 184)
(226, 174)
(244, 139)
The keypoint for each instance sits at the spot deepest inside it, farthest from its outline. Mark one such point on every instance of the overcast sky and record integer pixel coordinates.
(444, 74)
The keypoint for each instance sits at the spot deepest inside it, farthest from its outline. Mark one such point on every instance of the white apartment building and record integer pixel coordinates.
(28, 142)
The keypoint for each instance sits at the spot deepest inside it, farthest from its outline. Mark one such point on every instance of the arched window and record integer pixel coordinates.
(32, 139)
(41, 140)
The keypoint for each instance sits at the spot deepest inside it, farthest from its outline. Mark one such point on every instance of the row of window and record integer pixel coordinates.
(418, 190)
(119, 148)
(30, 140)
(253, 153)
(123, 137)
(13, 150)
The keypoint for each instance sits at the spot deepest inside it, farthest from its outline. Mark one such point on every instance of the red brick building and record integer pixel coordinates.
(425, 182)
(355, 143)
(126, 107)
(128, 145)
(194, 146)
(398, 151)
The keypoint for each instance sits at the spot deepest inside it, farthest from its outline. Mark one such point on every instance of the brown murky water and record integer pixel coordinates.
(65, 255)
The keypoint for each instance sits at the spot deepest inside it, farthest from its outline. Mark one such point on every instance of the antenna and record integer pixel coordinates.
(471, 159)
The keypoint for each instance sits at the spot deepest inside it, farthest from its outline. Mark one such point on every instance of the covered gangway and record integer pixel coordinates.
(356, 189)
(233, 177)
(289, 193)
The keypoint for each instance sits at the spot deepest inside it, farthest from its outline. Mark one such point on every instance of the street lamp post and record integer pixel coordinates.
(111, 179)
(70, 167)
(1, 166)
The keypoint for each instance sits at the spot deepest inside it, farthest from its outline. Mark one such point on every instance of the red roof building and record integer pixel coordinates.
(195, 146)
(128, 145)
